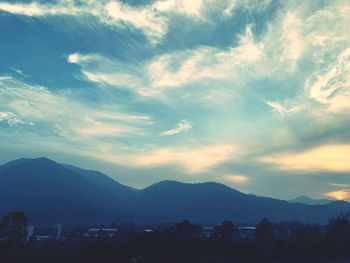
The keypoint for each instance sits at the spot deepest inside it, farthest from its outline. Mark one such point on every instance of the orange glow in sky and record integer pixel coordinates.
(339, 195)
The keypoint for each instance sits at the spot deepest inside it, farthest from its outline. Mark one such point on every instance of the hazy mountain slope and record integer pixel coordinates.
(213, 202)
(99, 179)
(309, 201)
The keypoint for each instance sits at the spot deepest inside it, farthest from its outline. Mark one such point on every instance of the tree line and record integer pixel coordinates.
(184, 242)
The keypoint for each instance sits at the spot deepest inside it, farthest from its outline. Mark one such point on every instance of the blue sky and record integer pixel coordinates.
(254, 94)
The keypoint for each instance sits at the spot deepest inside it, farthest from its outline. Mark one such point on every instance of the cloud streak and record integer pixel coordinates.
(22, 103)
(194, 160)
(182, 126)
(282, 110)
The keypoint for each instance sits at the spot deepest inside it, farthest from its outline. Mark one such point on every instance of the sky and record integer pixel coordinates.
(254, 94)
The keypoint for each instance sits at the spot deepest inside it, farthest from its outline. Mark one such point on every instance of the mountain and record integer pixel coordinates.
(213, 202)
(49, 192)
(101, 180)
(309, 201)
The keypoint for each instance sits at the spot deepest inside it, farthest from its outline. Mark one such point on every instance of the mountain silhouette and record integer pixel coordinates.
(49, 192)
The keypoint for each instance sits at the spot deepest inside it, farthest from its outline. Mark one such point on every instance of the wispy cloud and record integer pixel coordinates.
(182, 126)
(20, 72)
(113, 13)
(11, 118)
(331, 85)
(339, 185)
(282, 110)
(146, 19)
(151, 19)
(27, 104)
(104, 71)
(204, 63)
(36, 9)
(158, 74)
(194, 160)
(190, 8)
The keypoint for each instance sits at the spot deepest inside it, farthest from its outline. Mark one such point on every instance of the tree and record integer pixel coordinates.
(13, 226)
(264, 233)
(338, 235)
(227, 231)
(306, 239)
(185, 230)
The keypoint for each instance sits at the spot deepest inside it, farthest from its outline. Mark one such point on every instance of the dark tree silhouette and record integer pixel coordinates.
(264, 233)
(338, 235)
(226, 231)
(185, 230)
(13, 226)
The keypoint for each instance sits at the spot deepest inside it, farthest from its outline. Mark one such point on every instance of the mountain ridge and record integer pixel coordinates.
(48, 191)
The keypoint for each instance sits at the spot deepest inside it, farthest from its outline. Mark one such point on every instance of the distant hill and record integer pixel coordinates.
(51, 192)
(309, 201)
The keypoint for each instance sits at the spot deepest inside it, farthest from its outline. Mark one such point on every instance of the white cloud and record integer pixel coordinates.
(155, 76)
(183, 126)
(113, 13)
(331, 85)
(151, 19)
(190, 8)
(326, 35)
(105, 71)
(74, 58)
(10, 118)
(282, 110)
(121, 80)
(5, 78)
(204, 63)
(35, 9)
(146, 19)
(292, 40)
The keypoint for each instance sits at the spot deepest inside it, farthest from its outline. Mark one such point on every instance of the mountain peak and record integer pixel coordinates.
(42, 160)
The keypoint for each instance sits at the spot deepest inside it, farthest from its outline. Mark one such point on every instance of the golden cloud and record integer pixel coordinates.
(194, 160)
(332, 158)
(339, 195)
